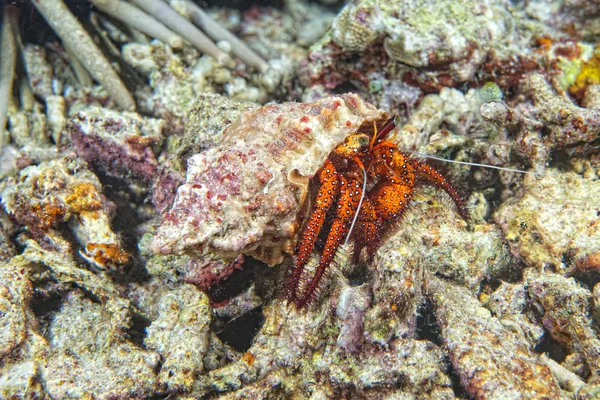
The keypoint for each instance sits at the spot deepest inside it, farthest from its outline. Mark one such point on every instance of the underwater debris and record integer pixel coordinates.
(491, 360)
(308, 341)
(565, 307)
(8, 48)
(80, 44)
(181, 335)
(207, 117)
(20, 340)
(566, 124)
(544, 123)
(428, 44)
(97, 351)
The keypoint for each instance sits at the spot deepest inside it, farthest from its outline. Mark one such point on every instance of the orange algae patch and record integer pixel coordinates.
(105, 254)
(544, 42)
(249, 358)
(84, 198)
(47, 215)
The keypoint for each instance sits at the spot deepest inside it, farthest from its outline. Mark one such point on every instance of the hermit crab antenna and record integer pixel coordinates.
(476, 164)
(362, 196)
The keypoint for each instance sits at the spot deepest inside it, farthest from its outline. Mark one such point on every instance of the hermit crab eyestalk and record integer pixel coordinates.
(387, 127)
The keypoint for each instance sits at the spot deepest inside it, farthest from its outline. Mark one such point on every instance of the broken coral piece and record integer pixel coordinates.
(65, 191)
(491, 360)
(120, 144)
(554, 222)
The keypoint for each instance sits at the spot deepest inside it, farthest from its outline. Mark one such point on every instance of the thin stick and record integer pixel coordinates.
(218, 33)
(8, 59)
(26, 95)
(136, 18)
(161, 11)
(476, 164)
(70, 31)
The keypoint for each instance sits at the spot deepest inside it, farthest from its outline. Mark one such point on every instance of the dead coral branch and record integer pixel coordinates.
(8, 58)
(161, 11)
(66, 26)
(138, 19)
(217, 33)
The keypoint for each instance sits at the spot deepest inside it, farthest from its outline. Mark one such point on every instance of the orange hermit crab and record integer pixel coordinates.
(365, 185)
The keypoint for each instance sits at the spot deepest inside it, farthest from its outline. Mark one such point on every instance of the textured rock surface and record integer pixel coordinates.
(555, 222)
(84, 350)
(59, 191)
(120, 144)
(492, 361)
(181, 335)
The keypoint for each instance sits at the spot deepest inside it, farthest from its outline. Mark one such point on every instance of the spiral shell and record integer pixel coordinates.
(244, 196)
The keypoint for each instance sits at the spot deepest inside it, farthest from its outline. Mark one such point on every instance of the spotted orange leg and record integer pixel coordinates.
(327, 196)
(367, 232)
(427, 173)
(347, 206)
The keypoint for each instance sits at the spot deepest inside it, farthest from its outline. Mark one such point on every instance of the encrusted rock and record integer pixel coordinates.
(491, 360)
(86, 346)
(554, 222)
(544, 123)
(181, 335)
(15, 293)
(307, 342)
(565, 308)
(21, 344)
(120, 144)
(427, 44)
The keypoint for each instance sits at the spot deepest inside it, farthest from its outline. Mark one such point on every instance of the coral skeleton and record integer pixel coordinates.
(8, 58)
(76, 38)
(163, 12)
(138, 19)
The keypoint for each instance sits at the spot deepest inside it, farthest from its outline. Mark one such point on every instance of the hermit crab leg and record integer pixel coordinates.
(368, 230)
(326, 197)
(350, 193)
(432, 176)
(392, 194)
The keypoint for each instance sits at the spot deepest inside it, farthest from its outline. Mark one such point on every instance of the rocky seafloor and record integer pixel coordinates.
(154, 186)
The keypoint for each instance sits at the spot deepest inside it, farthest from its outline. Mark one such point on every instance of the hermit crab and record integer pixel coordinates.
(365, 185)
(249, 195)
